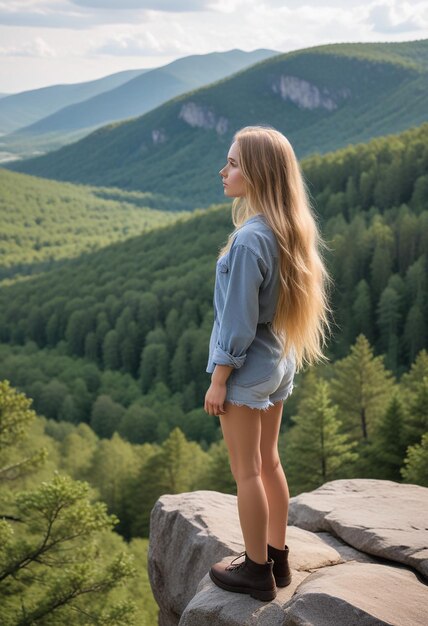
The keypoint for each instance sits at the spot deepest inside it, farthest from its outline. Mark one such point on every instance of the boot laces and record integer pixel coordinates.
(238, 565)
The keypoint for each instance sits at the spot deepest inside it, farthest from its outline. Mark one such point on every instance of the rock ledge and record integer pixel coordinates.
(358, 554)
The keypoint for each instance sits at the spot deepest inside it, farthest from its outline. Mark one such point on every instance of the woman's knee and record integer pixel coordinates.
(244, 471)
(270, 464)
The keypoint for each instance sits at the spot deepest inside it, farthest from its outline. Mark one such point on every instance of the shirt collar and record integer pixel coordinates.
(253, 218)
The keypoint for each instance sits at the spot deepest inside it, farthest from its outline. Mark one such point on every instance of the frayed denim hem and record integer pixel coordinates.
(264, 406)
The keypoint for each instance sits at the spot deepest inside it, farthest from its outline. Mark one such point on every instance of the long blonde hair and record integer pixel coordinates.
(274, 187)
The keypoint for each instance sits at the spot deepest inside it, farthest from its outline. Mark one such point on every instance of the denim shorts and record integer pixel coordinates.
(263, 395)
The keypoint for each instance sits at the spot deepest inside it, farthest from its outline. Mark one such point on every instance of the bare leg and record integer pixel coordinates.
(241, 428)
(273, 477)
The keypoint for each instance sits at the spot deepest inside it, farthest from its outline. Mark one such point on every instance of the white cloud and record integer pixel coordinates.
(141, 44)
(173, 6)
(90, 39)
(397, 18)
(389, 16)
(36, 48)
(80, 14)
(43, 14)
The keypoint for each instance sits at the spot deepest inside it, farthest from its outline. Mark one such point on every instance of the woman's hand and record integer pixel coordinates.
(214, 398)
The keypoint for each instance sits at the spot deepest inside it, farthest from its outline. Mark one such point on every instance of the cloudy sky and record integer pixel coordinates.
(44, 42)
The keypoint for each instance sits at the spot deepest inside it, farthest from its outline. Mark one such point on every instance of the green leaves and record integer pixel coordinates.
(56, 556)
(53, 567)
(15, 414)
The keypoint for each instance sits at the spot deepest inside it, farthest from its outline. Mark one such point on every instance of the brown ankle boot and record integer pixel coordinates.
(281, 569)
(246, 577)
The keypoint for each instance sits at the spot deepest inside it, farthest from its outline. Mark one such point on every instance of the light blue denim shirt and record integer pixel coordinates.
(245, 297)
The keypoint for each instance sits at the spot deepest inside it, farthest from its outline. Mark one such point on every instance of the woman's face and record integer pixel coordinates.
(233, 181)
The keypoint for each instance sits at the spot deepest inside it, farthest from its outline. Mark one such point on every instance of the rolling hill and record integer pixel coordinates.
(322, 98)
(45, 222)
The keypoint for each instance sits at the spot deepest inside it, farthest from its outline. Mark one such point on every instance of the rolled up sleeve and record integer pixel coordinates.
(239, 319)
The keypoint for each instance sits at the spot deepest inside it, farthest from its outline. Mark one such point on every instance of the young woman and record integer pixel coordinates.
(271, 315)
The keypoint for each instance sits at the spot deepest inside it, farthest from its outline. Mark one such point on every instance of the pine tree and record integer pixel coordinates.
(416, 422)
(416, 463)
(410, 380)
(174, 468)
(381, 265)
(362, 388)
(362, 310)
(388, 320)
(53, 568)
(178, 462)
(413, 389)
(389, 449)
(111, 351)
(154, 365)
(414, 331)
(316, 450)
(79, 325)
(113, 464)
(54, 561)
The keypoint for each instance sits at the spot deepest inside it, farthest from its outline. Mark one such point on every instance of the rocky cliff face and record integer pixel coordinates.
(202, 117)
(305, 95)
(358, 550)
(158, 136)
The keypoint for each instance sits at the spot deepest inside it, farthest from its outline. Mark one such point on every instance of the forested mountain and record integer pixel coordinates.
(46, 221)
(141, 93)
(25, 107)
(322, 98)
(143, 307)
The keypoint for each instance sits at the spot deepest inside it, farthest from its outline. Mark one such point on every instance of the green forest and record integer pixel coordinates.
(76, 494)
(45, 221)
(103, 357)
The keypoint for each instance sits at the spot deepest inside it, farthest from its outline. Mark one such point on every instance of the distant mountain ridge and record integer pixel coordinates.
(20, 109)
(136, 96)
(323, 98)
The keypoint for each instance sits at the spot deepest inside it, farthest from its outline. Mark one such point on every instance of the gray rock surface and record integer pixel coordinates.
(188, 533)
(358, 554)
(380, 517)
(359, 593)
